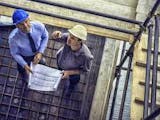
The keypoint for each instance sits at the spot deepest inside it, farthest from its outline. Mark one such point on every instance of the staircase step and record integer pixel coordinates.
(142, 64)
(143, 83)
(141, 101)
(145, 50)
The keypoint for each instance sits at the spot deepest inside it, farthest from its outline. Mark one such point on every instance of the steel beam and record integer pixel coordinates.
(70, 19)
(88, 11)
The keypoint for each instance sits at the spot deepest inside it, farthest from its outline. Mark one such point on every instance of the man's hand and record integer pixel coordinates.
(67, 73)
(37, 58)
(28, 69)
(56, 34)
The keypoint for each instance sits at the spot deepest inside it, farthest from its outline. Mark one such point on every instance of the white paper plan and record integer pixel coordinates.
(44, 78)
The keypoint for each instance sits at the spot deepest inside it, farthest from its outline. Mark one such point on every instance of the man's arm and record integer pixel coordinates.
(60, 37)
(44, 40)
(15, 53)
(43, 45)
(87, 64)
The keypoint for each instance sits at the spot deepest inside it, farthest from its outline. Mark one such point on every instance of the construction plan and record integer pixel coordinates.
(44, 78)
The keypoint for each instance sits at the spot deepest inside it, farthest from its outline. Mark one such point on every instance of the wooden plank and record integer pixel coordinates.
(93, 75)
(104, 81)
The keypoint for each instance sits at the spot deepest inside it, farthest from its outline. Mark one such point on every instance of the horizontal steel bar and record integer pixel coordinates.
(89, 11)
(71, 19)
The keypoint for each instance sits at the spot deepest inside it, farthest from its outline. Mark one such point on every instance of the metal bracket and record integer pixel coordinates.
(117, 72)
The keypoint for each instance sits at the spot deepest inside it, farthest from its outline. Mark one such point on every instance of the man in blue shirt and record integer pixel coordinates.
(27, 41)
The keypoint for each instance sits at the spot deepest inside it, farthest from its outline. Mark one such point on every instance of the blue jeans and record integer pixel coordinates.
(73, 79)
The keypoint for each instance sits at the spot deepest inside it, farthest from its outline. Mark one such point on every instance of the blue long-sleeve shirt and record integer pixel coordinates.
(19, 42)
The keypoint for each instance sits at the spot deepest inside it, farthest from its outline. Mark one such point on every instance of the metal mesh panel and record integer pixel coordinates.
(18, 102)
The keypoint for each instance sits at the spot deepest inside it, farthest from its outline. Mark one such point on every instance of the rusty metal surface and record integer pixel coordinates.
(18, 102)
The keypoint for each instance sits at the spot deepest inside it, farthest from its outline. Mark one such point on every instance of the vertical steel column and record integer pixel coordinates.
(125, 87)
(148, 68)
(118, 74)
(155, 64)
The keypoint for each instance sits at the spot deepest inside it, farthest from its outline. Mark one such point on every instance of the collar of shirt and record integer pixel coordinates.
(80, 51)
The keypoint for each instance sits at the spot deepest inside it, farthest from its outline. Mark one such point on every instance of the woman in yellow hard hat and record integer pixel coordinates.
(74, 57)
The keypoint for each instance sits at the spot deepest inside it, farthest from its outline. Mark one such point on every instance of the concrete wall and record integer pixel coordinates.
(129, 3)
(143, 8)
(5, 20)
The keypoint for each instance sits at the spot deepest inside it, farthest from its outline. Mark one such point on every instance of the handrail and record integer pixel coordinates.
(155, 64)
(147, 75)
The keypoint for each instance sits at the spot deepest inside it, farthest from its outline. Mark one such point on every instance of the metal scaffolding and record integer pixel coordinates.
(10, 99)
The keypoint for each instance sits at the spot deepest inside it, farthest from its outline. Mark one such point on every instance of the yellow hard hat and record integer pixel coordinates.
(79, 31)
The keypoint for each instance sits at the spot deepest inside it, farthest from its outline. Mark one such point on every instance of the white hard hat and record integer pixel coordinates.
(79, 31)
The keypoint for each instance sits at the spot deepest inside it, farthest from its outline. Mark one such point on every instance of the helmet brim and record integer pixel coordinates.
(70, 31)
(21, 20)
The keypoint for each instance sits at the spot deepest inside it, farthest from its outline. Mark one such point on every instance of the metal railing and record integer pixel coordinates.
(154, 79)
(148, 67)
(154, 110)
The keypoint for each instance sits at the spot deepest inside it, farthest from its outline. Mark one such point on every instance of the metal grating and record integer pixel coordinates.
(18, 102)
